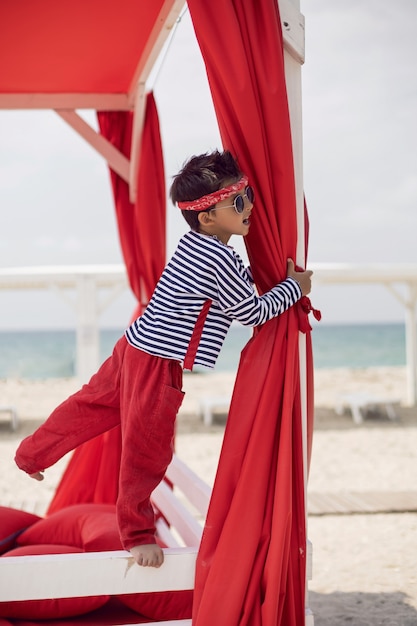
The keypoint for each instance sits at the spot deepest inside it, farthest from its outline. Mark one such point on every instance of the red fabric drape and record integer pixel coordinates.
(141, 225)
(93, 471)
(251, 564)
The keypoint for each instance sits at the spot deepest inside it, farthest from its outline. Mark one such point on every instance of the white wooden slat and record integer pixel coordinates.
(93, 573)
(165, 534)
(309, 566)
(193, 487)
(177, 514)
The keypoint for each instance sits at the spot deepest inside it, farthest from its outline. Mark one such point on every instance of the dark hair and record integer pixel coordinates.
(202, 175)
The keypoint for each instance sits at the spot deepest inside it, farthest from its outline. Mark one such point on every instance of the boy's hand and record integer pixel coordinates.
(303, 278)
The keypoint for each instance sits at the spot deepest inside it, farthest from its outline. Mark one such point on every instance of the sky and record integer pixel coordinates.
(360, 164)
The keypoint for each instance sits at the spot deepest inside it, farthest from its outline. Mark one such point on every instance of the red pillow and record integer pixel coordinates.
(113, 612)
(12, 523)
(49, 608)
(161, 605)
(92, 527)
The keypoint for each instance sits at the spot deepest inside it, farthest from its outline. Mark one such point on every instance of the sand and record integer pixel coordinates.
(364, 564)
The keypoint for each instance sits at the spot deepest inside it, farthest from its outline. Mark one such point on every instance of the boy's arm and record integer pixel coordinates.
(241, 302)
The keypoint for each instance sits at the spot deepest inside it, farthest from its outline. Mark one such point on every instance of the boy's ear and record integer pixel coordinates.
(205, 218)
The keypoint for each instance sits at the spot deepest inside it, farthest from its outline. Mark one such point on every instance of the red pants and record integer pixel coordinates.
(143, 394)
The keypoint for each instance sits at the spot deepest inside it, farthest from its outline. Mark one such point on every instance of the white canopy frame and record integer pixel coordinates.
(87, 289)
(391, 277)
(294, 56)
(125, 168)
(65, 106)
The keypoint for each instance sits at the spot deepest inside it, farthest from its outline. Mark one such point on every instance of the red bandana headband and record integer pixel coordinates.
(213, 198)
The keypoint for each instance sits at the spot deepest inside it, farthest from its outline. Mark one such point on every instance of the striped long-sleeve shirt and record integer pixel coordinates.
(203, 268)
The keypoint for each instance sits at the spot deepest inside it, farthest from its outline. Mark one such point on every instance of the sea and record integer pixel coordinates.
(41, 354)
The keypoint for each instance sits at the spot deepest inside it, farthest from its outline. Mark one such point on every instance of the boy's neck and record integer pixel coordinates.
(207, 233)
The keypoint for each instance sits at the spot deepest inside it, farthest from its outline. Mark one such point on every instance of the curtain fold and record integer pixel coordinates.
(92, 473)
(142, 225)
(252, 560)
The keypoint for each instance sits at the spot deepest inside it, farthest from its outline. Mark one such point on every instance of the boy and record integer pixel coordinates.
(202, 289)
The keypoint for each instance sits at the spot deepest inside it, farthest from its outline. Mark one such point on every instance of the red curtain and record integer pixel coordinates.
(93, 471)
(141, 225)
(251, 564)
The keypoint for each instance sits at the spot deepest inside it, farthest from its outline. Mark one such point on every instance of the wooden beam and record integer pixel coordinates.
(157, 39)
(292, 22)
(382, 273)
(137, 129)
(57, 101)
(116, 160)
(93, 573)
(62, 276)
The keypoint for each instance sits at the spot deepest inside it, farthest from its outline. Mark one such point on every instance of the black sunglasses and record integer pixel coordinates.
(239, 201)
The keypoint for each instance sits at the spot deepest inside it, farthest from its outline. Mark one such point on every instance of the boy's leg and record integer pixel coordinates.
(150, 399)
(92, 410)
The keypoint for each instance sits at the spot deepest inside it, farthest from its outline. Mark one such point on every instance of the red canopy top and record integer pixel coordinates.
(77, 47)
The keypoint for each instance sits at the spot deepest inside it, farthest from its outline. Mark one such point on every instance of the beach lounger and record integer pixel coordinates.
(361, 403)
(208, 404)
(12, 413)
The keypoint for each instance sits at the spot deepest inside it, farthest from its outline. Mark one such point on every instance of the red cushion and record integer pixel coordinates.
(50, 608)
(12, 523)
(113, 612)
(163, 605)
(92, 527)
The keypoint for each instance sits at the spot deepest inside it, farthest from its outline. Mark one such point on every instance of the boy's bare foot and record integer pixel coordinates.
(37, 476)
(148, 555)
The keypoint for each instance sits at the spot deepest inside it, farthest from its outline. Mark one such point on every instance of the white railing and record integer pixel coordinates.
(88, 281)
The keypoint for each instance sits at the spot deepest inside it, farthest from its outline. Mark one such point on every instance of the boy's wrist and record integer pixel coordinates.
(297, 284)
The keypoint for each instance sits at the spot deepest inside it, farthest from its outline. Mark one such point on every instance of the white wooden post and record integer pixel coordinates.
(411, 344)
(88, 342)
(293, 22)
(409, 301)
(294, 48)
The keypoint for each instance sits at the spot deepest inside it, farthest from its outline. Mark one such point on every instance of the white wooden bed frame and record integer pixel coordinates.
(113, 573)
